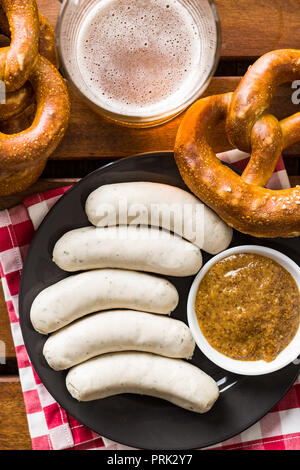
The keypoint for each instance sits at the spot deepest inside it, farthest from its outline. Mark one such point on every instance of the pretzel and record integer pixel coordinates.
(26, 142)
(17, 101)
(34, 145)
(47, 46)
(243, 201)
(18, 60)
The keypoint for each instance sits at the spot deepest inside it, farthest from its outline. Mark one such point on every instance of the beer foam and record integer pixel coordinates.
(138, 57)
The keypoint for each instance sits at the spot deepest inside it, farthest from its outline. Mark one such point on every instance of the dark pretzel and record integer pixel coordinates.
(242, 201)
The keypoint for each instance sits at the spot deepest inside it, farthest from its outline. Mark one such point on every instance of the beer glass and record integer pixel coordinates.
(140, 97)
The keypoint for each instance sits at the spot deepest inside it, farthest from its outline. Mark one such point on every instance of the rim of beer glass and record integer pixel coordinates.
(155, 119)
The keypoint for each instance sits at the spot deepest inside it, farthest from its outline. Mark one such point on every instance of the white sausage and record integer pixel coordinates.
(140, 249)
(174, 380)
(152, 204)
(118, 330)
(103, 289)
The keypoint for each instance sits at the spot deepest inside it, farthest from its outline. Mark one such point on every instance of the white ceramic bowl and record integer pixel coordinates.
(285, 357)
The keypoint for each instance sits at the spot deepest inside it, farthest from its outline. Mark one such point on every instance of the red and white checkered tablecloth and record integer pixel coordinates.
(49, 425)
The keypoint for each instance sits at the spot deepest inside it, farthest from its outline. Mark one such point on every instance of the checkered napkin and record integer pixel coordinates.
(50, 426)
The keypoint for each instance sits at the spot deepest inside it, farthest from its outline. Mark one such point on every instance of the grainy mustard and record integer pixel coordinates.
(248, 307)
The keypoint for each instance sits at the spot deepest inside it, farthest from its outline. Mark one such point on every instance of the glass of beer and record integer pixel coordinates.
(139, 62)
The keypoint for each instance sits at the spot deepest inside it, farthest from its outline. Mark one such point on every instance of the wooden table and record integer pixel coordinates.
(249, 29)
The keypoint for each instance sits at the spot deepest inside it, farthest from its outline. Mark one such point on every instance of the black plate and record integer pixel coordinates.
(139, 421)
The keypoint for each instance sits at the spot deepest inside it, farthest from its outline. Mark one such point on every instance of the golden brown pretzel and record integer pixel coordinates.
(26, 141)
(17, 101)
(242, 201)
(20, 122)
(247, 117)
(18, 60)
(47, 41)
(21, 151)
(47, 47)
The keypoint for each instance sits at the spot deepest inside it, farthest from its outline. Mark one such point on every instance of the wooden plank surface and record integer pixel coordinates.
(295, 180)
(41, 185)
(249, 28)
(91, 136)
(5, 331)
(14, 433)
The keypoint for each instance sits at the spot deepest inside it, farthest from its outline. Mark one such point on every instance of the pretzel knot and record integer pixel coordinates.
(35, 115)
(243, 201)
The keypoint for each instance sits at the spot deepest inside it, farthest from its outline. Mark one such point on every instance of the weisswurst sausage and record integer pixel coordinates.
(103, 289)
(118, 330)
(160, 205)
(137, 248)
(174, 380)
